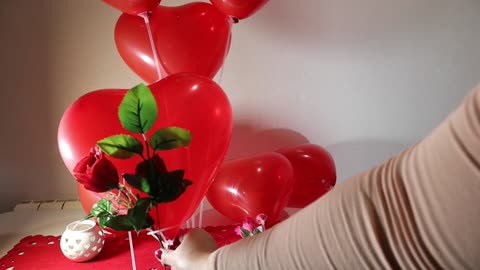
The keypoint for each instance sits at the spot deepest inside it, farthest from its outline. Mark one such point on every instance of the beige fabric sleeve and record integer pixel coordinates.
(419, 210)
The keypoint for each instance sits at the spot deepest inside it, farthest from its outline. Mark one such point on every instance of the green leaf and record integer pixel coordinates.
(102, 221)
(88, 217)
(258, 230)
(138, 182)
(151, 169)
(245, 233)
(121, 146)
(144, 168)
(171, 186)
(102, 208)
(119, 223)
(138, 110)
(138, 215)
(170, 138)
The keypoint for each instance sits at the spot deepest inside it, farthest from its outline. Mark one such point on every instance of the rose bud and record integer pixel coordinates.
(262, 219)
(96, 173)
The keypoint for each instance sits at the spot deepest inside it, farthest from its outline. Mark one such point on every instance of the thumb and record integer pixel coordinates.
(165, 256)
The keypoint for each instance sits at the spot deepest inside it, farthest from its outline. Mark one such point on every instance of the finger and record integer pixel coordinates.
(158, 255)
(167, 256)
(181, 237)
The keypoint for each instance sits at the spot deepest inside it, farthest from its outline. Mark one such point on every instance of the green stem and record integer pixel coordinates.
(158, 216)
(152, 170)
(146, 144)
(125, 194)
(129, 191)
(126, 203)
(118, 197)
(159, 234)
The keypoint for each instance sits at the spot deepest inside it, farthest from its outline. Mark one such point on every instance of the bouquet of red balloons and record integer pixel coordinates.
(177, 51)
(195, 103)
(156, 41)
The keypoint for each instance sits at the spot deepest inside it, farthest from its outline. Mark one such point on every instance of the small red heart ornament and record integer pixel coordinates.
(192, 38)
(250, 186)
(189, 101)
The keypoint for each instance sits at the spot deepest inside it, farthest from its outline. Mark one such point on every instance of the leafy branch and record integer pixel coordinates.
(137, 113)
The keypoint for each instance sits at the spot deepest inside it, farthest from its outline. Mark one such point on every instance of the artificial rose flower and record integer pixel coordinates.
(262, 219)
(238, 231)
(95, 172)
(248, 225)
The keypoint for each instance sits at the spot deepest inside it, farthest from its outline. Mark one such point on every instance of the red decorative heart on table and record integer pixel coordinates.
(250, 186)
(191, 38)
(314, 170)
(43, 252)
(189, 101)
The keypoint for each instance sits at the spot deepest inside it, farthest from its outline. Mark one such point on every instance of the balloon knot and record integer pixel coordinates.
(234, 19)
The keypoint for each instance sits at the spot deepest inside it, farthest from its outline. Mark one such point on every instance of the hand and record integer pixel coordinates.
(192, 253)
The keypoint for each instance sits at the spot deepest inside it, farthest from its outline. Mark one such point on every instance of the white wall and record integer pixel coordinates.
(362, 78)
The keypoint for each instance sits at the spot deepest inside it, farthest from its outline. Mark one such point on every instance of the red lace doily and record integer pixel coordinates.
(43, 252)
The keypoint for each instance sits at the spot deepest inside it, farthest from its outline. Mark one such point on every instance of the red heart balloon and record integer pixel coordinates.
(251, 186)
(191, 38)
(314, 171)
(133, 7)
(239, 8)
(189, 101)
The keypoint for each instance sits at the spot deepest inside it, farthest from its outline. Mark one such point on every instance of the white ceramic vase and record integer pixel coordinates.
(82, 240)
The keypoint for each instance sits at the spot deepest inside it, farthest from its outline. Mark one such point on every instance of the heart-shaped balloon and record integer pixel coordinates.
(250, 186)
(133, 7)
(314, 170)
(239, 8)
(189, 101)
(191, 38)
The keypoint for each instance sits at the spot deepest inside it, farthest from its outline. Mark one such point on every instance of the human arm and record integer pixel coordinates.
(418, 210)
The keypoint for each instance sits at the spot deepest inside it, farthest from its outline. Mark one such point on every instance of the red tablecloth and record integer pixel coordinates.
(43, 252)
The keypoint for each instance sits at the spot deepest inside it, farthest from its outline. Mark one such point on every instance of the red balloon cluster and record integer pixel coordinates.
(133, 7)
(156, 41)
(240, 9)
(269, 182)
(190, 101)
(178, 50)
(314, 170)
(251, 186)
(191, 38)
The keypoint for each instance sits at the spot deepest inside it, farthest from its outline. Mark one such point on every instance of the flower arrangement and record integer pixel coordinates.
(252, 227)
(124, 209)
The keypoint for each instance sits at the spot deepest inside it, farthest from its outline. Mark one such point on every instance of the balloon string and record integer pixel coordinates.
(193, 221)
(187, 167)
(200, 215)
(160, 232)
(231, 20)
(220, 75)
(132, 254)
(144, 15)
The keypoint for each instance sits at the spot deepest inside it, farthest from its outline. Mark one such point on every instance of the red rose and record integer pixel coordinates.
(95, 172)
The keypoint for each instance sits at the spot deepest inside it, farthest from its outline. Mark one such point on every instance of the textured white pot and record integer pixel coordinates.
(82, 240)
